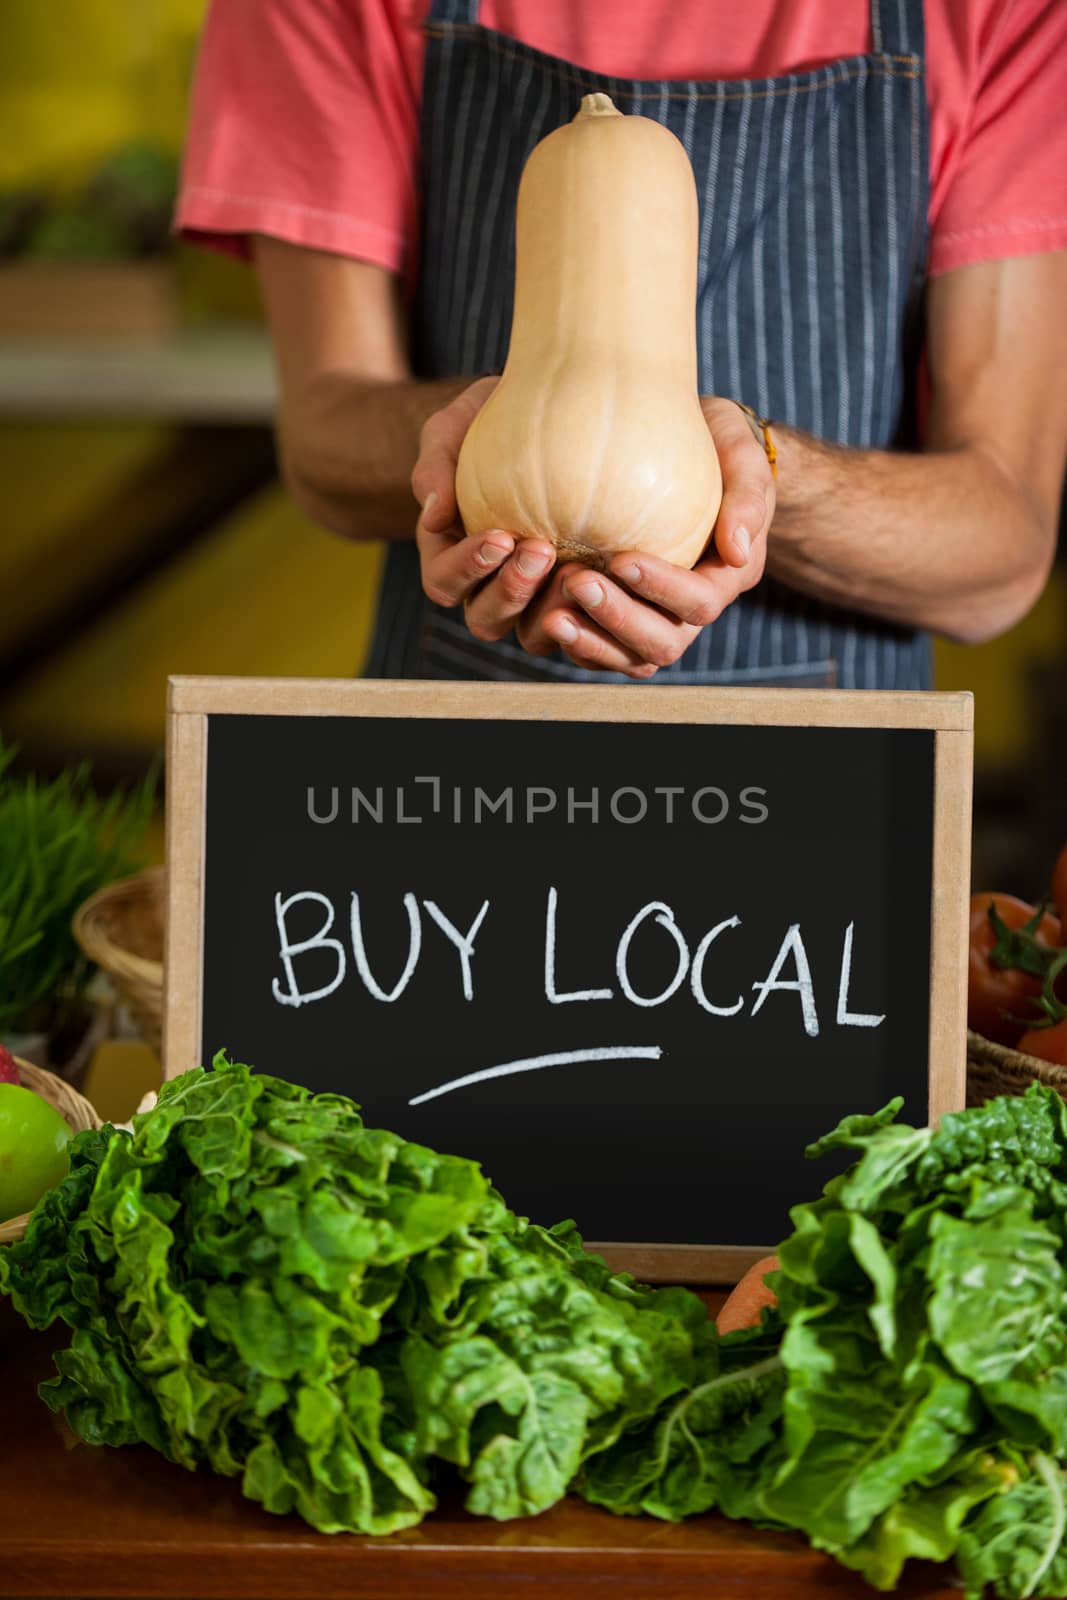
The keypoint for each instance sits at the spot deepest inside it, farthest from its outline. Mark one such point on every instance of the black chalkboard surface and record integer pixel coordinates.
(633, 967)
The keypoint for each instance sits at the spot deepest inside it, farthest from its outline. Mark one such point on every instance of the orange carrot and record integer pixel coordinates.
(747, 1299)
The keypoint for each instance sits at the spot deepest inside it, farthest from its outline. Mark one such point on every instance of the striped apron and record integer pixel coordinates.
(813, 204)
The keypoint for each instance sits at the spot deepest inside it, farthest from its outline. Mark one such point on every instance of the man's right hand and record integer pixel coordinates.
(487, 575)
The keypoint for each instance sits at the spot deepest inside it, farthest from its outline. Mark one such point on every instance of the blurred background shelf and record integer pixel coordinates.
(216, 374)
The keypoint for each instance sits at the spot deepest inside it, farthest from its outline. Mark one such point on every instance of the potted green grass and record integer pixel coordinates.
(60, 841)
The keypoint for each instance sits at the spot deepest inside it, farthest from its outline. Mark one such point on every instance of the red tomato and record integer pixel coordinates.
(992, 990)
(1050, 1044)
(1059, 884)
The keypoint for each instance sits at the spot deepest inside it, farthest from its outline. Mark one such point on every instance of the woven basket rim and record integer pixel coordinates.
(99, 946)
(33, 1077)
(1016, 1063)
(978, 1044)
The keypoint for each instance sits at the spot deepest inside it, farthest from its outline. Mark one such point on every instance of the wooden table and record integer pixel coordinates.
(84, 1522)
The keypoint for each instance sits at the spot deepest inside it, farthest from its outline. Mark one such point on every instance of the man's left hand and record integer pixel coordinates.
(645, 612)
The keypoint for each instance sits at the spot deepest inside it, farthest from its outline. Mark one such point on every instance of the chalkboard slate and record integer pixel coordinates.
(633, 967)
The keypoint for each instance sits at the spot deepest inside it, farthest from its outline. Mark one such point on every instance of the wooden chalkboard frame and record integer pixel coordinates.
(950, 717)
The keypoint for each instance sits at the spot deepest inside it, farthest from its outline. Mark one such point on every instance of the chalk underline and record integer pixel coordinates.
(559, 1058)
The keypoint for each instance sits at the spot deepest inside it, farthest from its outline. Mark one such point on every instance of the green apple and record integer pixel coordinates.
(33, 1149)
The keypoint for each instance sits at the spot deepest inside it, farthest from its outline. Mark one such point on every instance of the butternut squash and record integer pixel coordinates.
(594, 437)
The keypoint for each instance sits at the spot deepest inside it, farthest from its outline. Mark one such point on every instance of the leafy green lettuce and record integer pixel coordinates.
(906, 1397)
(256, 1281)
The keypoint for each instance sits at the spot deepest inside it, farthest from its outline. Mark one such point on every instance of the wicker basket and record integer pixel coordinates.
(121, 929)
(993, 1069)
(69, 1103)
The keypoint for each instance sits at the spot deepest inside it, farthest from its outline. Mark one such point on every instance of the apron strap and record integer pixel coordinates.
(453, 11)
(897, 27)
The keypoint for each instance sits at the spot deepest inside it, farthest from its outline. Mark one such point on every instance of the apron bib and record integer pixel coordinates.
(813, 193)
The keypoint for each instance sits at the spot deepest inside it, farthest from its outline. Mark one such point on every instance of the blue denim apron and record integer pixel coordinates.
(813, 204)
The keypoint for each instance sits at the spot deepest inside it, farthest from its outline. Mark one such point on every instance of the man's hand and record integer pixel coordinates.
(641, 618)
(489, 576)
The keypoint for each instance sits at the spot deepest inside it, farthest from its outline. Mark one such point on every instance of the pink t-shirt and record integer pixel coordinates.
(305, 113)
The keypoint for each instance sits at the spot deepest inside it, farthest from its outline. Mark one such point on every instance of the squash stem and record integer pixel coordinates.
(598, 105)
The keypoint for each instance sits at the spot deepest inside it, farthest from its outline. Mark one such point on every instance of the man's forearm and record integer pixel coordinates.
(945, 540)
(348, 447)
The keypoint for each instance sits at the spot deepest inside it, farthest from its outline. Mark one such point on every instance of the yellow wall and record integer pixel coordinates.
(267, 592)
(999, 676)
(78, 77)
